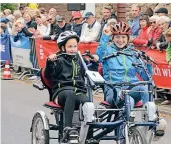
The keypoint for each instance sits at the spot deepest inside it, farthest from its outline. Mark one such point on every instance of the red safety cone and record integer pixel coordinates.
(7, 72)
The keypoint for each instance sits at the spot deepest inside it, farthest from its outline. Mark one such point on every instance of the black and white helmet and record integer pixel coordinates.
(65, 36)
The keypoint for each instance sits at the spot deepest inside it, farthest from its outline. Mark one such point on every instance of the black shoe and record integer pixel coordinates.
(73, 137)
(70, 135)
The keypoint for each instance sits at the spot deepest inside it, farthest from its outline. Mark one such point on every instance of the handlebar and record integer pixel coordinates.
(129, 84)
(114, 54)
(86, 53)
(144, 56)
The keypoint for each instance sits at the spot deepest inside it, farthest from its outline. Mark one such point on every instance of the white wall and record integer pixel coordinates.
(90, 7)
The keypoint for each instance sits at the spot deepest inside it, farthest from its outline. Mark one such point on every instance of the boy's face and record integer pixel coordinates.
(71, 46)
(168, 38)
(120, 41)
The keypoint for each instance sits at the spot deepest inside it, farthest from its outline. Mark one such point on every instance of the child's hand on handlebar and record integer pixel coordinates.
(52, 57)
(96, 58)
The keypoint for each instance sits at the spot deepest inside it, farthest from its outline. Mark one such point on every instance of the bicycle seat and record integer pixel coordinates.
(106, 104)
(138, 104)
(52, 105)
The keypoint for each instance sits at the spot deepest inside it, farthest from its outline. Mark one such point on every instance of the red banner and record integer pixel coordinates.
(82, 47)
(161, 72)
(158, 56)
(46, 48)
(43, 50)
(162, 76)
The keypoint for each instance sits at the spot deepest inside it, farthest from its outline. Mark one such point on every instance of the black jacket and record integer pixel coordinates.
(77, 28)
(162, 41)
(66, 73)
(54, 30)
(67, 27)
(31, 24)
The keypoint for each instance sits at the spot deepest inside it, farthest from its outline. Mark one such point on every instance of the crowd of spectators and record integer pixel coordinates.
(149, 28)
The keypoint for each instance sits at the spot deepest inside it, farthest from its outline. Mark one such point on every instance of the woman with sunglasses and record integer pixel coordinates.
(163, 23)
(154, 30)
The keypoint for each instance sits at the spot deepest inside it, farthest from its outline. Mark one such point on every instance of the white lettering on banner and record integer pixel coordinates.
(41, 52)
(166, 72)
(2, 48)
(156, 71)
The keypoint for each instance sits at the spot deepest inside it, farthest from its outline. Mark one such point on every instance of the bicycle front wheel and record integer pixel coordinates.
(137, 136)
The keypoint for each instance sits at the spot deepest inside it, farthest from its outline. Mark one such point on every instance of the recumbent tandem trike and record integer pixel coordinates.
(104, 123)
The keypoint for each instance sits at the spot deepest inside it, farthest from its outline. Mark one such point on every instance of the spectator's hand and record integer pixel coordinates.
(1, 31)
(131, 39)
(37, 32)
(30, 30)
(52, 37)
(107, 30)
(169, 63)
(150, 28)
(158, 46)
(52, 57)
(22, 25)
(153, 47)
(96, 58)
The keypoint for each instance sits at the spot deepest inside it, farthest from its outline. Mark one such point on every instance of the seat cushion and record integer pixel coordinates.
(51, 104)
(138, 104)
(104, 103)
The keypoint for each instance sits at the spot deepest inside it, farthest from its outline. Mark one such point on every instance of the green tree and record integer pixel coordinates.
(7, 6)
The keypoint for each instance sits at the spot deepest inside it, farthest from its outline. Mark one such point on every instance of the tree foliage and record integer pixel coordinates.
(7, 6)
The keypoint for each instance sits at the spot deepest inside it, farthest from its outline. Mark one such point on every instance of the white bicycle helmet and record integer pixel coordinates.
(65, 36)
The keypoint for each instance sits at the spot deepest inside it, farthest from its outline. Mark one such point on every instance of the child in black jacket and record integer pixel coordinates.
(67, 74)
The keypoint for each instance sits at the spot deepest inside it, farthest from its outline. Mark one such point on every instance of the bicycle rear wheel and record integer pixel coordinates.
(137, 136)
(39, 134)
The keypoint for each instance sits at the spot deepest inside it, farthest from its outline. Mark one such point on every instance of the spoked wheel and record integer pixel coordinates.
(39, 134)
(137, 136)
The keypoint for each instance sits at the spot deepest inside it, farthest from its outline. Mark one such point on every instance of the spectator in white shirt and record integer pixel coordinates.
(40, 27)
(45, 21)
(91, 29)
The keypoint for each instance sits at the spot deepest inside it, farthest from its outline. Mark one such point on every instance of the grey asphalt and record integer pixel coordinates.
(19, 102)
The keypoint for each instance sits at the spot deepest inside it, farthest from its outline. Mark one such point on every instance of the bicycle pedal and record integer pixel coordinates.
(159, 133)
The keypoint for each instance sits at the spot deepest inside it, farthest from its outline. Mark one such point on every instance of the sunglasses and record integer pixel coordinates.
(154, 22)
(76, 19)
(49, 19)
